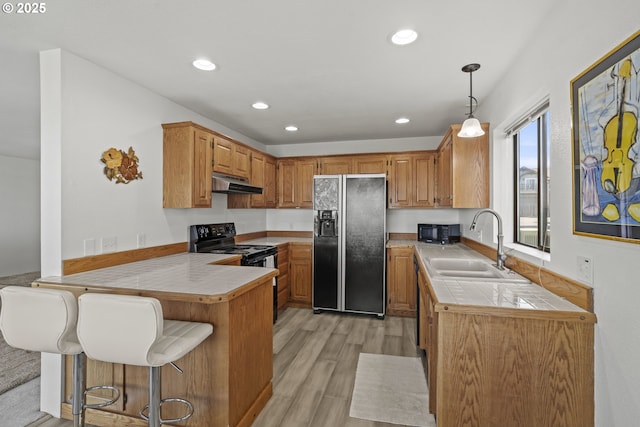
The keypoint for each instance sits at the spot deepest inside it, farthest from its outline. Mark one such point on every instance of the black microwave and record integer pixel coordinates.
(439, 233)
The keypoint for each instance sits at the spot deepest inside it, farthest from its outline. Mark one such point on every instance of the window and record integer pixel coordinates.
(531, 148)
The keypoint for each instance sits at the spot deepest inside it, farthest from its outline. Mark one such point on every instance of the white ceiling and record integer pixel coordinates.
(326, 66)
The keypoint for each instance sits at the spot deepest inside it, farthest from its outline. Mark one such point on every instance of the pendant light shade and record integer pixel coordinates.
(471, 127)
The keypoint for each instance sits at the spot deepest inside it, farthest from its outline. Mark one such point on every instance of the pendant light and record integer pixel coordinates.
(471, 127)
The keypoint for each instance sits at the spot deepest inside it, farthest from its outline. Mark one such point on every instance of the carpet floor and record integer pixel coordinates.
(17, 366)
(391, 389)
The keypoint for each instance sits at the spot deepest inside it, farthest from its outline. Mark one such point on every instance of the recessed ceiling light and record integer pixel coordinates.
(404, 37)
(291, 128)
(204, 64)
(259, 105)
(402, 120)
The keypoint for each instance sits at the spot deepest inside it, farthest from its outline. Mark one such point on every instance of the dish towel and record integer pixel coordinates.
(269, 262)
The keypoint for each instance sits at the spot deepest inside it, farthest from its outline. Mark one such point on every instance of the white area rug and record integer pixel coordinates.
(391, 389)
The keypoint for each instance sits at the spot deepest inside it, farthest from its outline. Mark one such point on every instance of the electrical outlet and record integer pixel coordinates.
(585, 269)
(109, 244)
(89, 247)
(142, 240)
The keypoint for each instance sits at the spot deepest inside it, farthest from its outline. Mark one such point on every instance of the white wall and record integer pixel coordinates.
(19, 216)
(101, 110)
(576, 34)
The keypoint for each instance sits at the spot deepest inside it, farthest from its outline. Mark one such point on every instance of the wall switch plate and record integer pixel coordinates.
(89, 247)
(142, 240)
(109, 244)
(585, 269)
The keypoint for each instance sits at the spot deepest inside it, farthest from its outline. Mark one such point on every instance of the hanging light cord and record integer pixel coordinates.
(471, 97)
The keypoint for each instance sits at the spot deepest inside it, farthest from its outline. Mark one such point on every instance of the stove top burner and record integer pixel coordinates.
(219, 239)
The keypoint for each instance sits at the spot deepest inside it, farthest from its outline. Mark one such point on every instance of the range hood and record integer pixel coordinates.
(228, 185)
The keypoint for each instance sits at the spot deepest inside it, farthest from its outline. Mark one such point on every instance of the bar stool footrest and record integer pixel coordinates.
(103, 404)
(171, 420)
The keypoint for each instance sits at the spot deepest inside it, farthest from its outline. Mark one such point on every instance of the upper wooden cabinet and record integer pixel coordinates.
(187, 155)
(463, 170)
(270, 182)
(230, 158)
(335, 165)
(370, 163)
(295, 182)
(411, 180)
(263, 175)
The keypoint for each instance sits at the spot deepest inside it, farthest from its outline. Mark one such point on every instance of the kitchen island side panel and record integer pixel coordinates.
(495, 371)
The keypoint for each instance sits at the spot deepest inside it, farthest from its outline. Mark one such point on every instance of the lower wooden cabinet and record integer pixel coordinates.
(283, 277)
(401, 282)
(300, 274)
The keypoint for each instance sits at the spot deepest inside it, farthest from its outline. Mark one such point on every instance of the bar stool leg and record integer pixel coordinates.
(78, 402)
(154, 396)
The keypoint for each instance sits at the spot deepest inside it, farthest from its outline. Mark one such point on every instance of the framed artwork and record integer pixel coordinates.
(605, 101)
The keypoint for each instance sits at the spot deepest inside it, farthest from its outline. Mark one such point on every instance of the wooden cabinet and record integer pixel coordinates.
(187, 154)
(508, 366)
(295, 183)
(263, 174)
(230, 158)
(287, 184)
(412, 180)
(283, 277)
(300, 274)
(431, 340)
(401, 282)
(335, 165)
(463, 170)
(424, 180)
(270, 183)
(376, 163)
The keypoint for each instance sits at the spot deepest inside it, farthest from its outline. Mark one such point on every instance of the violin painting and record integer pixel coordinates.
(606, 151)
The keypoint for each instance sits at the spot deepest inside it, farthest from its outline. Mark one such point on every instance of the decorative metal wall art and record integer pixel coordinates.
(605, 102)
(121, 166)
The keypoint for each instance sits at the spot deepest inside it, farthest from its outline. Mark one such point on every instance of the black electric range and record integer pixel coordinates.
(220, 239)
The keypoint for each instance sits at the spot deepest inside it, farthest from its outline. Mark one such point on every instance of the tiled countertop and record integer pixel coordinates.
(191, 275)
(520, 294)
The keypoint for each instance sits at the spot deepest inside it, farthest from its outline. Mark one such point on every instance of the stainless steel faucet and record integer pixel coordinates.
(500, 256)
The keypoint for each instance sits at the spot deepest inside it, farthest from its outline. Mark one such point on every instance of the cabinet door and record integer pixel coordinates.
(287, 184)
(305, 169)
(241, 161)
(270, 193)
(444, 196)
(300, 273)
(469, 186)
(432, 352)
(370, 164)
(423, 320)
(401, 281)
(335, 165)
(223, 156)
(202, 169)
(283, 277)
(257, 178)
(424, 180)
(401, 182)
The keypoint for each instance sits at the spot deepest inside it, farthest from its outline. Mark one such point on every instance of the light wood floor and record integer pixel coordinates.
(315, 359)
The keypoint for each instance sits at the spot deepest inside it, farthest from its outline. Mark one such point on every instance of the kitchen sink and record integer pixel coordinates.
(465, 268)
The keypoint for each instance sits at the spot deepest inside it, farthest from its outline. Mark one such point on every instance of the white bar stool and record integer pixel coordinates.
(44, 320)
(131, 330)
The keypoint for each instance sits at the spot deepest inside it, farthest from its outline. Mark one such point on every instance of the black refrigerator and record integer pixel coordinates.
(349, 243)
